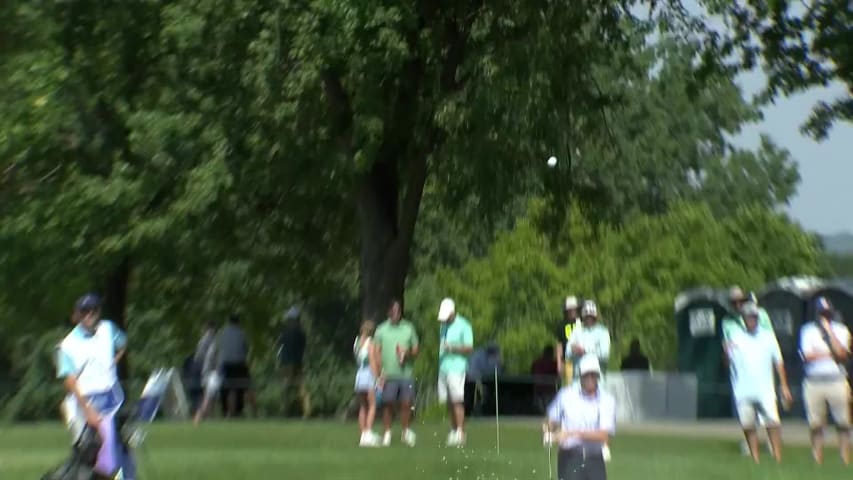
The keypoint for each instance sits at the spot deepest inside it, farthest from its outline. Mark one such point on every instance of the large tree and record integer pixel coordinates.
(269, 133)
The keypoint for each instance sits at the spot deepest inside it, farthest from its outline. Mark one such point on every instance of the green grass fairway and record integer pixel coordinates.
(293, 451)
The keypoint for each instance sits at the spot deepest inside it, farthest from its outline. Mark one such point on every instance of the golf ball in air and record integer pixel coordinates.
(552, 162)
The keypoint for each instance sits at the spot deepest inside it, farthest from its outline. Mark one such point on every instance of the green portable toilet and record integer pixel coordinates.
(787, 303)
(699, 315)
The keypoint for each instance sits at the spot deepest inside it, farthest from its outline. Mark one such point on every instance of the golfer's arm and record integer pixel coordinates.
(594, 436)
(558, 354)
(811, 356)
(841, 351)
(70, 383)
(120, 354)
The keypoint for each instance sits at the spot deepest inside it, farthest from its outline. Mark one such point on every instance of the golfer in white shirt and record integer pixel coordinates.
(581, 420)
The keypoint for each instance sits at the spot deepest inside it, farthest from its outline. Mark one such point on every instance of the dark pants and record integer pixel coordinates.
(573, 465)
(235, 382)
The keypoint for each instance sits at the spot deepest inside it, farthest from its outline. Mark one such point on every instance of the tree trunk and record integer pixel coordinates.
(387, 231)
(115, 302)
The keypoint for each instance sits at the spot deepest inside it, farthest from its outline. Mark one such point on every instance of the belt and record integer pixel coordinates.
(825, 378)
(582, 452)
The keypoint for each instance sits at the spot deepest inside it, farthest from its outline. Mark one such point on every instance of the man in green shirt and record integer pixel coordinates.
(456, 343)
(396, 345)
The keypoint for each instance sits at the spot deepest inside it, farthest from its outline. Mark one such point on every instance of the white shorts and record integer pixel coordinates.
(364, 381)
(451, 386)
(748, 411)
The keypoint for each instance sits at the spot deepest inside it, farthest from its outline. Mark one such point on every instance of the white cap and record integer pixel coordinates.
(750, 309)
(446, 309)
(590, 309)
(571, 303)
(589, 364)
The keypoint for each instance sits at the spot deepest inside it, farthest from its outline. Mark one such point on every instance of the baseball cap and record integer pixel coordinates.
(446, 309)
(571, 303)
(589, 364)
(750, 309)
(822, 304)
(736, 293)
(87, 302)
(590, 309)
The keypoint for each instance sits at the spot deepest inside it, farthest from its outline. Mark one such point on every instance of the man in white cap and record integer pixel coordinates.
(753, 356)
(456, 343)
(825, 346)
(592, 338)
(581, 420)
(562, 352)
(734, 324)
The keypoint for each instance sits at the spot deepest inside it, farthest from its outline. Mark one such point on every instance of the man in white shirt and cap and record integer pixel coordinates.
(456, 343)
(590, 338)
(825, 347)
(581, 420)
(753, 355)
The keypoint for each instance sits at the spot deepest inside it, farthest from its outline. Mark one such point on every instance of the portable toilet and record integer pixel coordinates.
(699, 315)
(787, 303)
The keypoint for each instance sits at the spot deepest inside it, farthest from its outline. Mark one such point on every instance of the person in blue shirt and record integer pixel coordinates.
(753, 356)
(86, 364)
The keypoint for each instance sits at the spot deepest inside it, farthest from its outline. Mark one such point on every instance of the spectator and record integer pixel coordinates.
(234, 356)
(396, 345)
(482, 365)
(546, 375)
(563, 333)
(635, 359)
(210, 372)
(457, 342)
(591, 338)
(291, 354)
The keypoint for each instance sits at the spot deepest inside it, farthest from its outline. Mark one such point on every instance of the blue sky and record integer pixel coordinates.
(826, 168)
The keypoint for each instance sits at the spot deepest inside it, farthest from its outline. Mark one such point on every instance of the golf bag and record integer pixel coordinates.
(164, 390)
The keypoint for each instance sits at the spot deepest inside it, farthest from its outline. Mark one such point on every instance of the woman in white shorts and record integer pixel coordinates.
(365, 384)
(211, 381)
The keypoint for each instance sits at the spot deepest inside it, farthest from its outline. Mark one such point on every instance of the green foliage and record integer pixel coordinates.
(633, 271)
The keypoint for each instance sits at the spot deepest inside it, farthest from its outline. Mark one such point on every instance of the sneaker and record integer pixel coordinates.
(409, 438)
(605, 453)
(369, 439)
(386, 439)
(453, 438)
(460, 438)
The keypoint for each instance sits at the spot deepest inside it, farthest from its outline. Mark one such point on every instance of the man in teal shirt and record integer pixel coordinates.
(396, 345)
(456, 343)
(733, 325)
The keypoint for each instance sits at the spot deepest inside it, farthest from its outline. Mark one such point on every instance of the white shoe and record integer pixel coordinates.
(452, 439)
(369, 439)
(460, 438)
(386, 439)
(605, 453)
(409, 438)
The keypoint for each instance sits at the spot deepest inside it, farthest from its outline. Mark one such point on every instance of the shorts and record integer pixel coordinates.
(364, 380)
(451, 387)
(212, 383)
(400, 390)
(748, 411)
(236, 376)
(818, 393)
